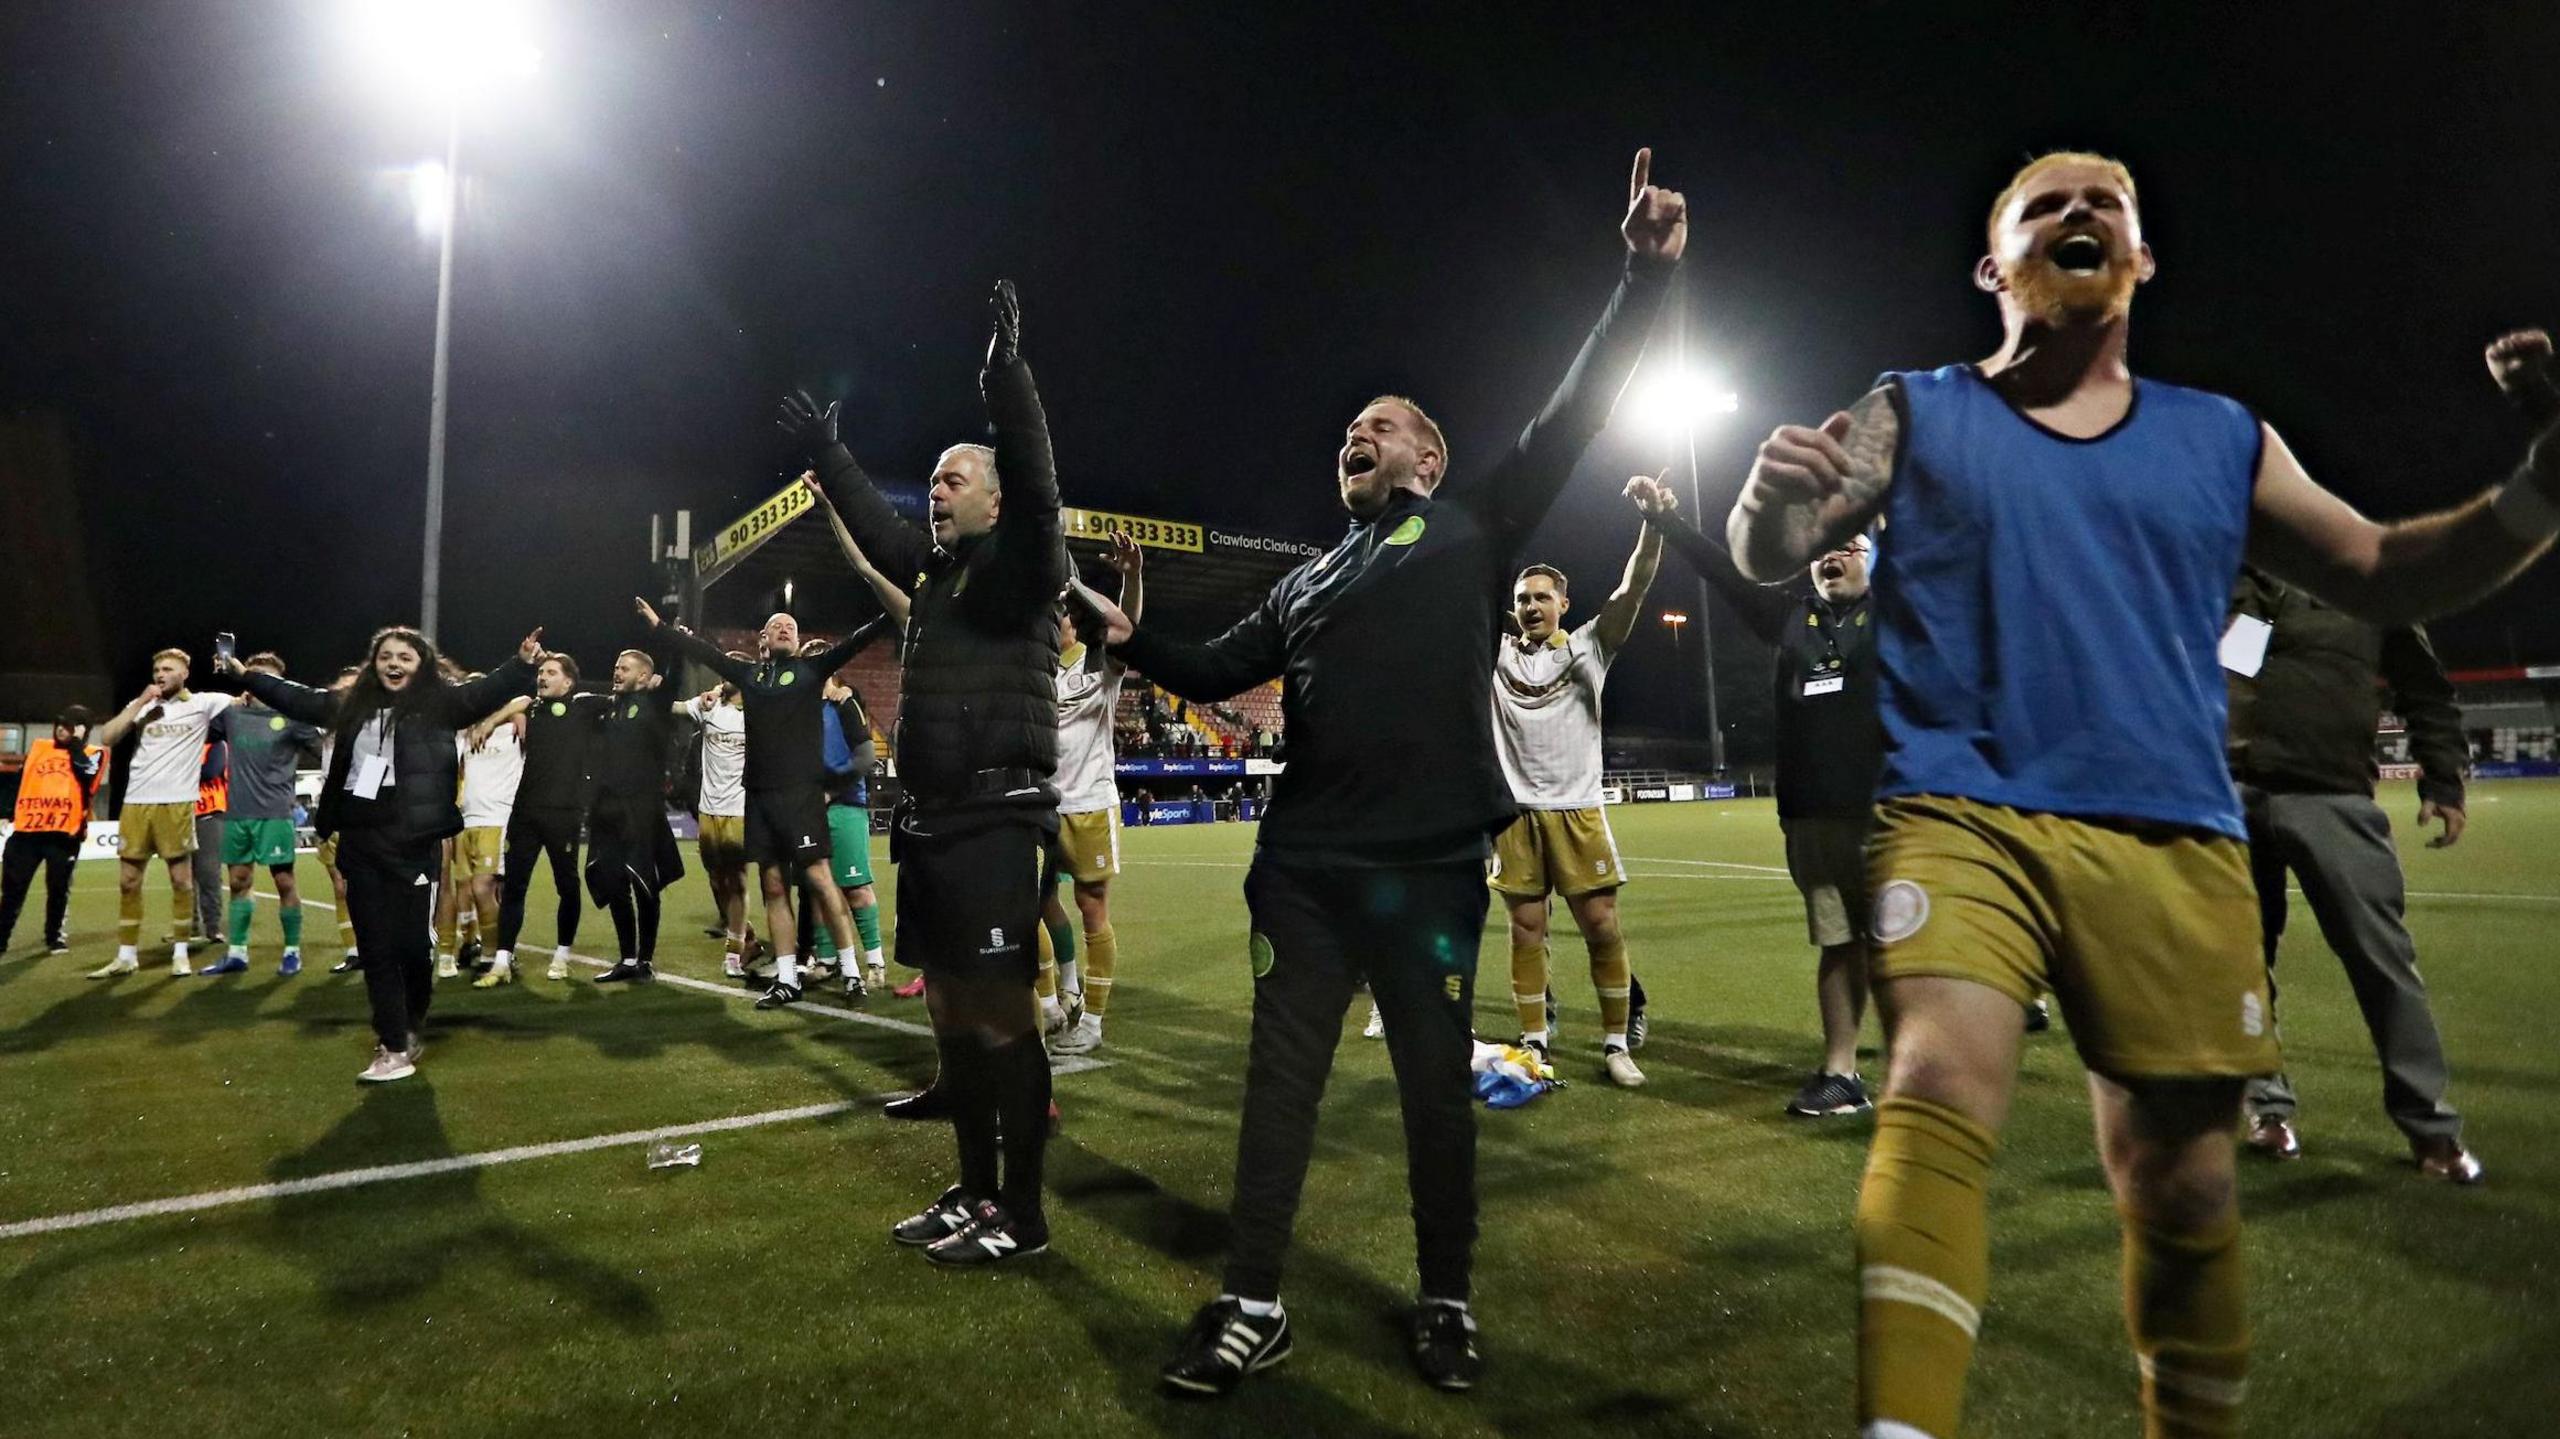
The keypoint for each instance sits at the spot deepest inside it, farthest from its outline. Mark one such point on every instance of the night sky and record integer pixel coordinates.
(1231, 224)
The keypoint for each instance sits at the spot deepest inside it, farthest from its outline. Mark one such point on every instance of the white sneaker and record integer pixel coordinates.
(1376, 1028)
(731, 966)
(1622, 1068)
(1082, 1036)
(179, 968)
(388, 1065)
(446, 968)
(114, 967)
(876, 978)
(559, 968)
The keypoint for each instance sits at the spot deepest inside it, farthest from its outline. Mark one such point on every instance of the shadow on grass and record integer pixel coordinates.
(381, 1245)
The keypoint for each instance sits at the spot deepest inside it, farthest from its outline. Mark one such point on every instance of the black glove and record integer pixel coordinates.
(1004, 318)
(802, 420)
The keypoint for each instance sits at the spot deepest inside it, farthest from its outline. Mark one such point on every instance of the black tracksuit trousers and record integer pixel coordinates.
(1413, 931)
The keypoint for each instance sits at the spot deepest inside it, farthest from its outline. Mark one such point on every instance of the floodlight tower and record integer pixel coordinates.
(442, 50)
(1680, 403)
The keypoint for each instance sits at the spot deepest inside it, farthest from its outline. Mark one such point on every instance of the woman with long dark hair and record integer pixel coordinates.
(389, 801)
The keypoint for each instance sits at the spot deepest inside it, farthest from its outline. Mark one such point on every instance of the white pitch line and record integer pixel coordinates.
(314, 903)
(1712, 864)
(383, 1174)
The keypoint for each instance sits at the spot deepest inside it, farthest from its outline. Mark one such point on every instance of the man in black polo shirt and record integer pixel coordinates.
(1830, 747)
(631, 853)
(2302, 724)
(977, 742)
(1371, 858)
(784, 697)
(551, 804)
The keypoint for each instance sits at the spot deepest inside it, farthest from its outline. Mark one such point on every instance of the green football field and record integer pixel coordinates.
(1673, 1260)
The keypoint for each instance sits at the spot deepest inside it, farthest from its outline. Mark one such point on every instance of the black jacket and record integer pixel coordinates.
(979, 717)
(2305, 723)
(1830, 739)
(784, 699)
(1386, 643)
(558, 737)
(424, 765)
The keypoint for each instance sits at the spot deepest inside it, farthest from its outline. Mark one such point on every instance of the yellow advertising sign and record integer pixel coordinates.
(758, 525)
(1102, 525)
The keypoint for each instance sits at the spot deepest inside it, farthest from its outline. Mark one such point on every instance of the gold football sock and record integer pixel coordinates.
(444, 935)
(2187, 1307)
(1047, 983)
(1529, 985)
(1101, 952)
(1924, 1263)
(1609, 971)
(129, 917)
(346, 932)
(182, 916)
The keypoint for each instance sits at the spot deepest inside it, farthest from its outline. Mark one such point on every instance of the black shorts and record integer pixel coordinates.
(969, 889)
(786, 827)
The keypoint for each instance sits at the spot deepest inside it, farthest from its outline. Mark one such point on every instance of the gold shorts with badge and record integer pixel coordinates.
(1563, 851)
(481, 851)
(1089, 845)
(2145, 934)
(167, 831)
(721, 840)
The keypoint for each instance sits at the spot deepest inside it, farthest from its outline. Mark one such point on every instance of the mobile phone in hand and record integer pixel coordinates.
(225, 645)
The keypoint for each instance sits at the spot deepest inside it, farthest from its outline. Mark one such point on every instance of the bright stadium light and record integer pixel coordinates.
(1681, 401)
(431, 198)
(439, 54)
(442, 48)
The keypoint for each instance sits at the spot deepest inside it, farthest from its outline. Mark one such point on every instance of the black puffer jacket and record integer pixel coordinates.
(979, 721)
(424, 765)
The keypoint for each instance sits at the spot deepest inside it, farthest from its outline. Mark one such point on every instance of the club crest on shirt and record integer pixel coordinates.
(1407, 532)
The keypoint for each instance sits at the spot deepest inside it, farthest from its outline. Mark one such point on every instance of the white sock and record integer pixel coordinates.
(502, 962)
(1069, 976)
(1613, 1041)
(178, 952)
(1535, 1036)
(239, 951)
(506, 956)
(1888, 1429)
(1258, 1308)
(874, 959)
(560, 952)
(128, 954)
(786, 969)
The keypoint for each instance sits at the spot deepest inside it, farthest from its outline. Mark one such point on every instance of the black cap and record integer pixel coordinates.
(74, 717)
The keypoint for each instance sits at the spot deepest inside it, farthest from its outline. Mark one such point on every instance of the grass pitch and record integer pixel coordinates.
(1669, 1261)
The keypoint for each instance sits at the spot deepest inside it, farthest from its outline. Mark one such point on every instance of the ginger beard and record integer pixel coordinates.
(2080, 277)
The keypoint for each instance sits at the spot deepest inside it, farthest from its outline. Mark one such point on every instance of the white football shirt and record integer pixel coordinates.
(170, 753)
(724, 760)
(1546, 718)
(490, 775)
(1087, 777)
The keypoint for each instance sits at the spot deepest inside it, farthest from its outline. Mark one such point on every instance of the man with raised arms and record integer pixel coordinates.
(2061, 543)
(1371, 859)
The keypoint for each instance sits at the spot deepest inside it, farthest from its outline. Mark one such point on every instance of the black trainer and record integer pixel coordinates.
(469, 957)
(926, 1103)
(628, 972)
(1537, 1047)
(57, 945)
(1442, 1341)
(778, 995)
(348, 965)
(2039, 1017)
(1826, 1094)
(1635, 1012)
(939, 1220)
(1223, 1345)
(992, 1236)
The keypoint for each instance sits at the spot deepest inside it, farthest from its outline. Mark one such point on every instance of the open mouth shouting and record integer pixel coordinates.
(1357, 460)
(2080, 253)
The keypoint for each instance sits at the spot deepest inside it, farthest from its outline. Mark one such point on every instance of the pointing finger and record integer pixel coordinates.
(1643, 175)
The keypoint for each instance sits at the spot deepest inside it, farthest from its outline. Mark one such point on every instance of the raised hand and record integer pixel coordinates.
(2520, 362)
(1653, 498)
(1004, 323)
(1126, 555)
(648, 613)
(530, 649)
(224, 664)
(1657, 223)
(1796, 464)
(802, 419)
(1097, 615)
(818, 492)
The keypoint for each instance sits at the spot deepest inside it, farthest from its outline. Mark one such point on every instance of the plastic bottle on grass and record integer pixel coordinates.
(667, 1154)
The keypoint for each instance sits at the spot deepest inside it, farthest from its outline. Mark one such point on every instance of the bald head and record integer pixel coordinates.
(780, 636)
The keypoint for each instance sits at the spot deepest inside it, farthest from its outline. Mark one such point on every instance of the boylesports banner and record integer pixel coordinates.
(727, 548)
